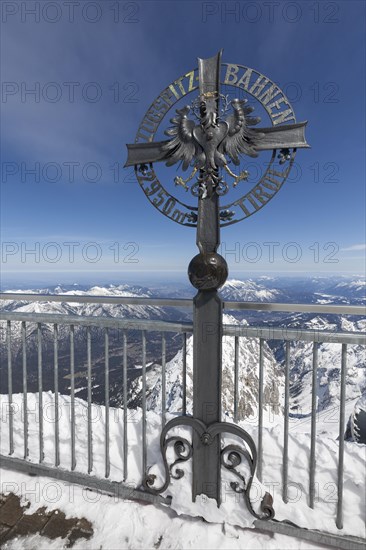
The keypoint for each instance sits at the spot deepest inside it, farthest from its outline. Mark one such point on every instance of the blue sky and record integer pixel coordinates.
(115, 64)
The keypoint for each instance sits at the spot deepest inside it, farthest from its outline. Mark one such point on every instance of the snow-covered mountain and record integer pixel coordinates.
(329, 362)
(82, 309)
(72, 308)
(248, 378)
(305, 290)
(357, 288)
(248, 291)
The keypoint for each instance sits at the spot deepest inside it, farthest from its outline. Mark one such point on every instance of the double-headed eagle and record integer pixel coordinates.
(213, 142)
(207, 144)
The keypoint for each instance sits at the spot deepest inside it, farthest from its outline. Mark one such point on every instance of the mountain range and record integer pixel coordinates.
(315, 290)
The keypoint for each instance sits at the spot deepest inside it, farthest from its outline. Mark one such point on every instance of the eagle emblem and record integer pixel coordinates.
(206, 146)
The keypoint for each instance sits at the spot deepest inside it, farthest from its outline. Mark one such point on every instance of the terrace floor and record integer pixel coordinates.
(16, 522)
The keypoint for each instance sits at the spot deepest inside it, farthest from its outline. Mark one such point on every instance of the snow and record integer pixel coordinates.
(328, 375)
(248, 290)
(122, 524)
(126, 524)
(358, 284)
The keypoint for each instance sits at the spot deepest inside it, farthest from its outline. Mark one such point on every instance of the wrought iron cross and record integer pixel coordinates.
(208, 147)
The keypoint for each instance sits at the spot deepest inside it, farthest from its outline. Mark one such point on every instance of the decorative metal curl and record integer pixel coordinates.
(208, 183)
(181, 446)
(143, 168)
(230, 458)
(192, 218)
(284, 155)
(226, 215)
(183, 450)
(222, 188)
(196, 189)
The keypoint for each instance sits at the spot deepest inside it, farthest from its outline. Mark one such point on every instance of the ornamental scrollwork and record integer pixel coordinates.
(231, 457)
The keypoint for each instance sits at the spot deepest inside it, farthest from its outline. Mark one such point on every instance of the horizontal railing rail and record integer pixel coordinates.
(186, 302)
(297, 308)
(82, 299)
(300, 334)
(90, 320)
(263, 332)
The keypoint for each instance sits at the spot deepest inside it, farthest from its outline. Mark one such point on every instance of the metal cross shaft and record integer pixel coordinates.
(207, 272)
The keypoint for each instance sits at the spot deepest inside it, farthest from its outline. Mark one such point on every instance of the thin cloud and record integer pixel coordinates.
(354, 248)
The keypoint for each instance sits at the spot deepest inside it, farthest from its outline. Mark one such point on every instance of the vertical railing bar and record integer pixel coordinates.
(313, 424)
(342, 420)
(72, 396)
(125, 440)
(89, 371)
(236, 378)
(10, 389)
(106, 397)
(40, 392)
(25, 389)
(144, 447)
(163, 380)
(57, 428)
(260, 410)
(184, 395)
(286, 423)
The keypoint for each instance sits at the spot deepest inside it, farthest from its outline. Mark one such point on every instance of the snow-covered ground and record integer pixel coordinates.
(130, 525)
(124, 524)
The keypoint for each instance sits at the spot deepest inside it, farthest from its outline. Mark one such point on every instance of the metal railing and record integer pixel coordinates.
(344, 339)
(105, 324)
(144, 327)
